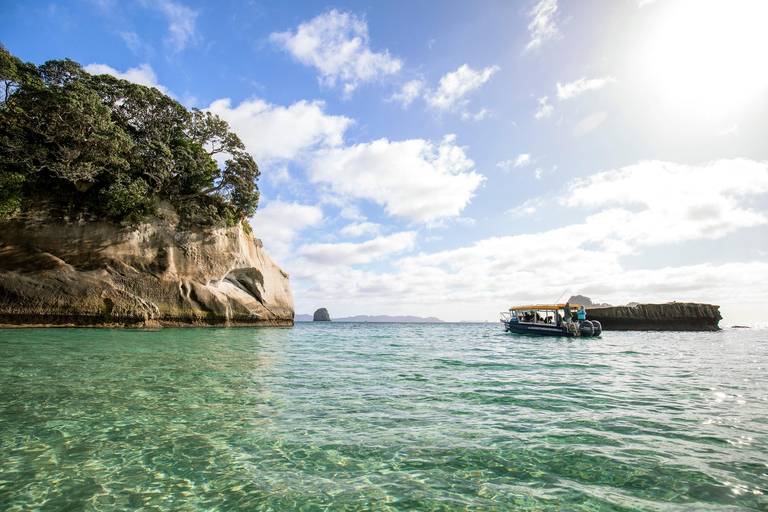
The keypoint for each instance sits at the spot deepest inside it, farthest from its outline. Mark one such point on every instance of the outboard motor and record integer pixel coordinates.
(597, 326)
(586, 328)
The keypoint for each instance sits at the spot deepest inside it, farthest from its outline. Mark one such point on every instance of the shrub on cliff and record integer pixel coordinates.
(95, 146)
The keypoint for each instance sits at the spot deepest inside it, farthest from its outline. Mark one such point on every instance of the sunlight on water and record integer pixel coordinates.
(381, 417)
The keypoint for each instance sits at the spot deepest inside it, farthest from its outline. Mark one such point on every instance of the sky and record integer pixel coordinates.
(453, 158)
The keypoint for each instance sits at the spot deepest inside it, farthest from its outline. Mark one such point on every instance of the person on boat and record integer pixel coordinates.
(567, 313)
(582, 313)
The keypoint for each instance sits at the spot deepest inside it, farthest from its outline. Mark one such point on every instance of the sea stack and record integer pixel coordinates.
(321, 315)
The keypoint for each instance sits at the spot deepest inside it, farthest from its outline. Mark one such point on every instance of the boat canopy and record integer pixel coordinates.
(545, 307)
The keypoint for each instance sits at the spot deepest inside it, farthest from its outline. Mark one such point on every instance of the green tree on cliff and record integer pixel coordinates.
(101, 147)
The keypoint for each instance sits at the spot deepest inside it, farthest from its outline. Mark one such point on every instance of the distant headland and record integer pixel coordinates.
(374, 318)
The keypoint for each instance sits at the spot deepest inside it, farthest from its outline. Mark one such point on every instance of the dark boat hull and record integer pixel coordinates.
(537, 329)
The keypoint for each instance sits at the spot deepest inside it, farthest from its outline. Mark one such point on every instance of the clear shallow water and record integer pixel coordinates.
(382, 417)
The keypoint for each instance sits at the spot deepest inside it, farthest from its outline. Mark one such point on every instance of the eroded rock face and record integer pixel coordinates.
(321, 315)
(673, 316)
(157, 273)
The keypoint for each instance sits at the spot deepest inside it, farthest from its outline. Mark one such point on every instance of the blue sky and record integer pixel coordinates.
(453, 159)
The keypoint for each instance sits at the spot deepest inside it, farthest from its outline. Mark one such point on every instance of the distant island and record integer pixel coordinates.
(375, 318)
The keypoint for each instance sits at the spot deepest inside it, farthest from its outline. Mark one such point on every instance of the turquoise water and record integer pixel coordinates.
(382, 417)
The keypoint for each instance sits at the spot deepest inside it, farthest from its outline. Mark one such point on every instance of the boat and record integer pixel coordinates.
(547, 320)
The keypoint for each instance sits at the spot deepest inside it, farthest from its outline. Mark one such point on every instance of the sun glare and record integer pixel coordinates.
(707, 55)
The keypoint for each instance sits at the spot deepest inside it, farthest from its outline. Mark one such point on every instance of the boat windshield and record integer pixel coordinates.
(537, 316)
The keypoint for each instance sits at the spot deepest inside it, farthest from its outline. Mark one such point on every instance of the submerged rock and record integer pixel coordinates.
(321, 315)
(162, 273)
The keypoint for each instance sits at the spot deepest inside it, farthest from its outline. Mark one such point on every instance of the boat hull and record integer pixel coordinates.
(537, 329)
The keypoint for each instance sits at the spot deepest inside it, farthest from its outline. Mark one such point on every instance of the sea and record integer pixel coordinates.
(382, 416)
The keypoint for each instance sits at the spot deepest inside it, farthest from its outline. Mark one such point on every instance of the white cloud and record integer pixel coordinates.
(409, 92)
(414, 179)
(271, 132)
(142, 75)
(731, 130)
(476, 281)
(337, 44)
(522, 160)
(573, 89)
(529, 207)
(181, 23)
(361, 228)
(454, 86)
(545, 110)
(278, 224)
(655, 202)
(350, 253)
(476, 117)
(542, 26)
(136, 45)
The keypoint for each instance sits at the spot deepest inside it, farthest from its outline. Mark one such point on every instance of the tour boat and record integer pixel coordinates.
(547, 320)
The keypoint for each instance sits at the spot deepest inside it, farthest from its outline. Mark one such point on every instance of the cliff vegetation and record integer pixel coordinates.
(95, 147)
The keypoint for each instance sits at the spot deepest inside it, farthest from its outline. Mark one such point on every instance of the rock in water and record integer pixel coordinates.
(321, 315)
(161, 273)
(672, 316)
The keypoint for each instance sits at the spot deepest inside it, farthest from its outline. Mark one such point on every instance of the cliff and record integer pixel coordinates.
(673, 316)
(160, 273)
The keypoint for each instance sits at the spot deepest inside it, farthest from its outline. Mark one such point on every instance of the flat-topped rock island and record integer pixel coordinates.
(672, 316)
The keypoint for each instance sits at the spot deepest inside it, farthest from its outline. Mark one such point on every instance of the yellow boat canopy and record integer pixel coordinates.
(545, 307)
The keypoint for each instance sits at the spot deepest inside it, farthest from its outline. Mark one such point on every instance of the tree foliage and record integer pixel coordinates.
(100, 147)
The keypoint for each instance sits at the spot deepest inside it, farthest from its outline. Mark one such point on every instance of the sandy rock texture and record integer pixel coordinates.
(160, 273)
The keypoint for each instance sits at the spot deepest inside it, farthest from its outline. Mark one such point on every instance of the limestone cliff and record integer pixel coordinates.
(673, 316)
(161, 273)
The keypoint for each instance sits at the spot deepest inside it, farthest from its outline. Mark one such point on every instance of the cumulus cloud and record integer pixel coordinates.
(657, 202)
(648, 204)
(278, 224)
(272, 132)
(542, 26)
(356, 229)
(143, 75)
(573, 89)
(348, 253)
(545, 109)
(408, 93)
(338, 45)
(418, 180)
(453, 88)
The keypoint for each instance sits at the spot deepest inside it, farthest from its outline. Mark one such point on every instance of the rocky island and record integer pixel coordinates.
(120, 207)
(672, 316)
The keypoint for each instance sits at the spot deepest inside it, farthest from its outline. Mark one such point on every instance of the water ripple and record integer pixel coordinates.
(381, 417)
